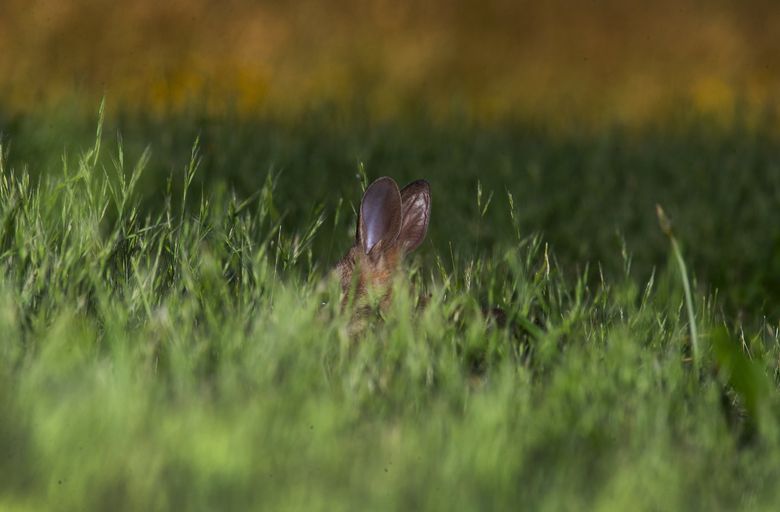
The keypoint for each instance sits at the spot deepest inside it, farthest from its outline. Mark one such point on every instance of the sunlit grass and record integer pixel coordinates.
(553, 61)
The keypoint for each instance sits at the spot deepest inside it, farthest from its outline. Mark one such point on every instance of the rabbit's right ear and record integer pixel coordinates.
(379, 221)
(415, 214)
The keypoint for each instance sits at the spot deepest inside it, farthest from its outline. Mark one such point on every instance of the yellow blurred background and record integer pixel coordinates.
(603, 59)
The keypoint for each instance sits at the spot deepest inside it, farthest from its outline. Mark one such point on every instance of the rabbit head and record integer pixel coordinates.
(391, 223)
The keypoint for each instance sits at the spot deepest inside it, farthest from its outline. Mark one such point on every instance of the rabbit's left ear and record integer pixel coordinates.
(415, 214)
(380, 217)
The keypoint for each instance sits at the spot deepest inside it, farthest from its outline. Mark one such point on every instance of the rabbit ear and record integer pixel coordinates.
(380, 215)
(415, 213)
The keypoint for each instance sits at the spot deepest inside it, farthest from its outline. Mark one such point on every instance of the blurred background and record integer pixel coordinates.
(598, 60)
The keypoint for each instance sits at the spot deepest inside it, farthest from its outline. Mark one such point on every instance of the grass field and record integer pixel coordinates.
(170, 339)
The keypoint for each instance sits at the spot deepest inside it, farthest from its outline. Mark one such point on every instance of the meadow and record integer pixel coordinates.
(171, 339)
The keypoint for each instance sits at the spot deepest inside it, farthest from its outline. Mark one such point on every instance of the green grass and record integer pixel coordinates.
(170, 339)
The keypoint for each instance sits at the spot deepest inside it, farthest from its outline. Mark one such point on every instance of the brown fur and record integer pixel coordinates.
(357, 269)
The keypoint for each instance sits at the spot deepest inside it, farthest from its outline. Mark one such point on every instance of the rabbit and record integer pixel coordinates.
(391, 224)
